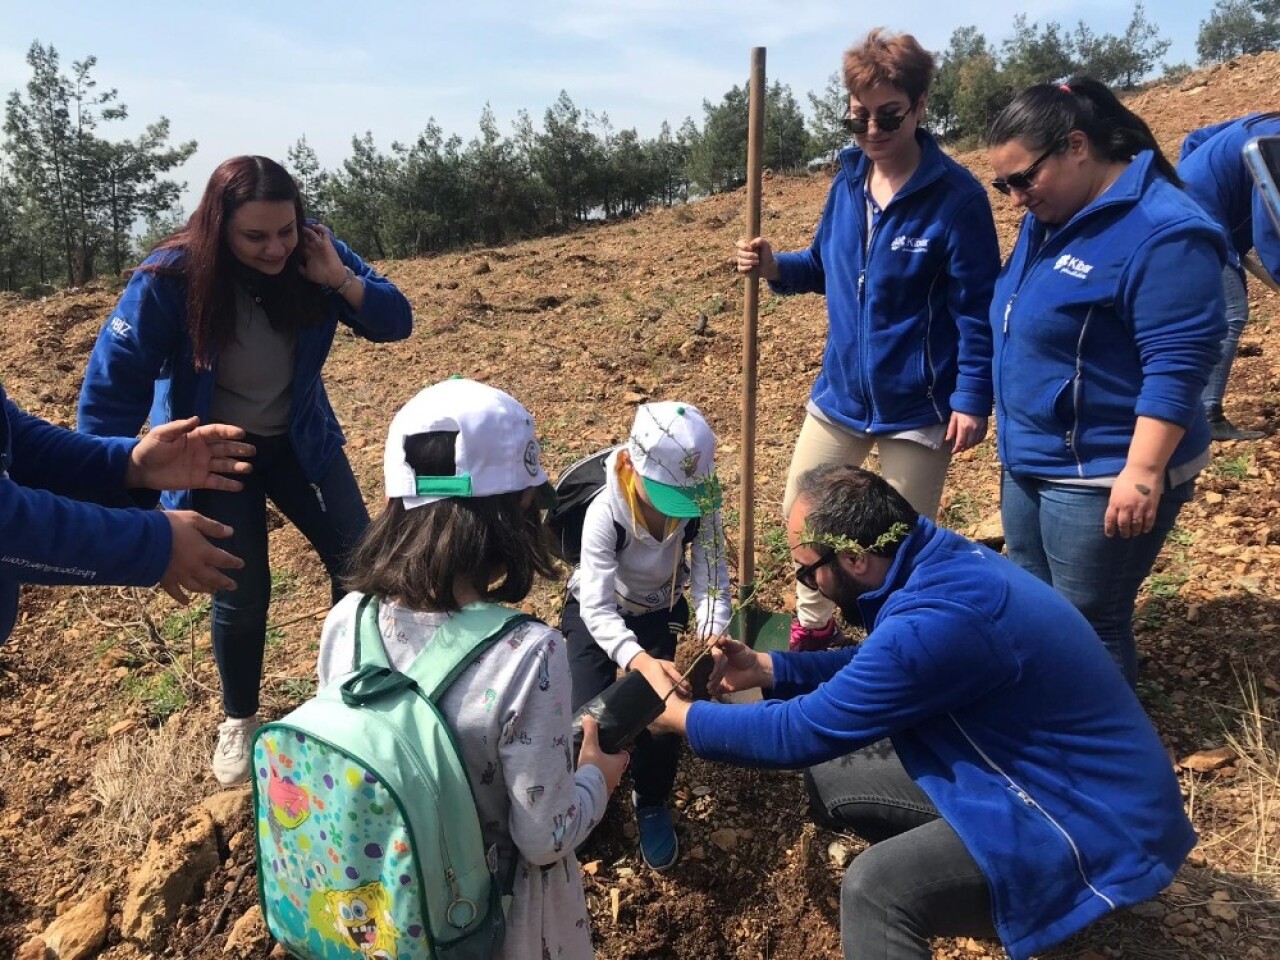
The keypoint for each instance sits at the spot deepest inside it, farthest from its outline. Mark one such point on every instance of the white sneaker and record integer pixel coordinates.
(232, 757)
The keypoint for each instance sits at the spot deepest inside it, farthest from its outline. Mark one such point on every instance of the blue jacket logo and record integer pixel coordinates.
(120, 327)
(910, 244)
(1072, 266)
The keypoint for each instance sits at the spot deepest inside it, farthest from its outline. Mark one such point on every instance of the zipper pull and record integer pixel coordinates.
(862, 276)
(319, 497)
(1008, 308)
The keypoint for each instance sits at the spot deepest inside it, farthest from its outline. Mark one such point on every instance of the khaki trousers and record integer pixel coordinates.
(911, 468)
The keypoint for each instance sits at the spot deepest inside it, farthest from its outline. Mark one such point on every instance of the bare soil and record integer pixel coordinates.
(581, 327)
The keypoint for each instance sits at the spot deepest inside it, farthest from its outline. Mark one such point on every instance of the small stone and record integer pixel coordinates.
(1150, 910)
(839, 854)
(1206, 761)
(6, 732)
(701, 791)
(726, 839)
(123, 726)
(1222, 911)
(591, 868)
(33, 949)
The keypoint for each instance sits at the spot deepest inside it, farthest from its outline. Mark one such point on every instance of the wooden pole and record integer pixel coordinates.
(750, 314)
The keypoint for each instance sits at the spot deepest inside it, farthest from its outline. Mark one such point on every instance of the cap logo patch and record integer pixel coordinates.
(531, 458)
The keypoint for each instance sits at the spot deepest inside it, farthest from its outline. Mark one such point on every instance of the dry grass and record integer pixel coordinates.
(1256, 742)
(141, 778)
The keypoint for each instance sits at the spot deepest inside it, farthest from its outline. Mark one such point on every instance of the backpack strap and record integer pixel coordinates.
(367, 646)
(458, 641)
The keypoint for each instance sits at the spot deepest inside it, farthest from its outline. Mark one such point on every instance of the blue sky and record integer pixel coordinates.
(253, 77)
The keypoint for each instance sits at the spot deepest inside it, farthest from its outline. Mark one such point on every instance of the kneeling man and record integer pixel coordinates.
(981, 737)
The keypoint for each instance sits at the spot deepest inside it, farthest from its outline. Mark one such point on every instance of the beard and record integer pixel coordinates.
(845, 594)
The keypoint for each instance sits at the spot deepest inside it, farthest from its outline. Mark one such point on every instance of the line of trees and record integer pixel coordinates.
(73, 201)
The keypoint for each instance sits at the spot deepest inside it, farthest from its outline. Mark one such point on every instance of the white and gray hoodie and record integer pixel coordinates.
(645, 575)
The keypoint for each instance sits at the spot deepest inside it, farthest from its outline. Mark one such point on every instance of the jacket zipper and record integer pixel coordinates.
(928, 352)
(1076, 385)
(1027, 799)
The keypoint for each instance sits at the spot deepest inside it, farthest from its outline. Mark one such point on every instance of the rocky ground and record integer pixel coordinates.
(114, 840)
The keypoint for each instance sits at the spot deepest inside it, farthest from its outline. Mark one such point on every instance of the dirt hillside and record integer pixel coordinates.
(108, 698)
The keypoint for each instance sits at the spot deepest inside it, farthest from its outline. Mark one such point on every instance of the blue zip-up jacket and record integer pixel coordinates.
(1119, 314)
(1211, 165)
(907, 337)
(57, 525)
(144, 359)
(1006, 709)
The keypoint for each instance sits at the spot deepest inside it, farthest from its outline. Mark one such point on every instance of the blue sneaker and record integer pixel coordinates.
(659, 846)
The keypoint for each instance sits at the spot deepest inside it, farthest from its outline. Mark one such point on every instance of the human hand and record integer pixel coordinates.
(661, 674)
(737, 667)
(320, 261)
(749, 254)
(1135, 496)
(612, 765)
(195, 564)
(673, 719)
(965, 431)
(182, 455)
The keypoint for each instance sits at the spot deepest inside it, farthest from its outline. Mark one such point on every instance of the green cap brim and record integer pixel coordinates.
(682, 502)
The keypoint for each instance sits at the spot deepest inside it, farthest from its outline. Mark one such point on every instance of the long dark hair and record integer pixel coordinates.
(1044, 114)
(417, 556)
(211, 269)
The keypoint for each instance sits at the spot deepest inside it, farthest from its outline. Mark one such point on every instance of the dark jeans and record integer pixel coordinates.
(917, 880)
(1054, 530)
(655, 758)
(331, 514)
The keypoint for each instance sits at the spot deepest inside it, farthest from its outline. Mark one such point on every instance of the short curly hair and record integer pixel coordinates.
(883, 58)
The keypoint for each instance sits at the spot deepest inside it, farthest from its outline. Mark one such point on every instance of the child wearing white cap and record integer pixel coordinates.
(462, 524)
(653, 528)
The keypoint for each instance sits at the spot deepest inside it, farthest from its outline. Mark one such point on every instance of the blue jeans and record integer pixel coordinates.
(917, 880)
(1237, 315)
(331, 514)
(1054, 530)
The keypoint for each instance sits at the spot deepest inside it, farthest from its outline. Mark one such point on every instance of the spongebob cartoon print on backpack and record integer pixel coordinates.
(369, 843)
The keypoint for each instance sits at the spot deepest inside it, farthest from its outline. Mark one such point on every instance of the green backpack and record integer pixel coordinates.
(368, 839)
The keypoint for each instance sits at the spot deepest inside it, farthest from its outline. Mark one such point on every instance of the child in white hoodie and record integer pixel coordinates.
(653, 528)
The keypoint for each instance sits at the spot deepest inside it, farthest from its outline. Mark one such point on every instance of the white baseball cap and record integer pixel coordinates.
(496, 450)
(674, 451)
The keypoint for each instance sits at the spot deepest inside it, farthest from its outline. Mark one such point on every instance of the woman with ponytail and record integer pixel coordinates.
(1107, 319)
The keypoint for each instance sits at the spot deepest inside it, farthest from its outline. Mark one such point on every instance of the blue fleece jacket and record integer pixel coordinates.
(907, 337)
(143, 359)
(1008, 712)
(1212, 168)
(57, 525)
(1117, 314)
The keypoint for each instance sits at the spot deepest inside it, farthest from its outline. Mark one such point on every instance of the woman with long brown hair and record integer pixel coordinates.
(231, 320)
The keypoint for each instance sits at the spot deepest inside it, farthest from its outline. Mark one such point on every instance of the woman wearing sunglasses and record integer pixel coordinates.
(905, 255)
(1107, 320)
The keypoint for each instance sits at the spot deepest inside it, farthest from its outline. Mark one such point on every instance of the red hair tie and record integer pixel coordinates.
(1064, 88)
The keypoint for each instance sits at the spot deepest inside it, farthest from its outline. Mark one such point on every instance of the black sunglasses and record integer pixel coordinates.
(807, 573)
(1023, 180)
(885, 123)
